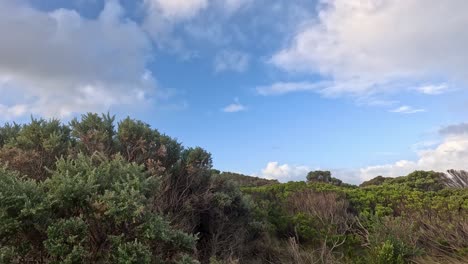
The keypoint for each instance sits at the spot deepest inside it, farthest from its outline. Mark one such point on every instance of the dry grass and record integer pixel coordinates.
(439, 260)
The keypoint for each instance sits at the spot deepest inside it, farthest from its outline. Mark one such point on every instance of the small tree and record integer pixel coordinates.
(94, 133)
(322, 176)
(33, 148)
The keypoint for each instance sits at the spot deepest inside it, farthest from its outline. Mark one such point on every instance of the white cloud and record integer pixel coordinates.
(162, 16)
(350, 176)
(231, 60)
(57, 63)
(234, 107)
(171, 22)
(327, 89)
(451, 153)
(433, 89)
(10, 112)
(284, 172)
(407, 110)
(281, 88)
(176, 9)
(371, 46)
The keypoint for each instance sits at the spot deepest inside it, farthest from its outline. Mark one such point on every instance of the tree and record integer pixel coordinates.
(184, 187)
(33, 148)
(94, 133)
(319, 176)
(137, 141)
(8, 132)
(322, 176)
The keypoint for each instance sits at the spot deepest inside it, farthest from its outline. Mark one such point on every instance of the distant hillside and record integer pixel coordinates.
(247, 181)
(375, 181)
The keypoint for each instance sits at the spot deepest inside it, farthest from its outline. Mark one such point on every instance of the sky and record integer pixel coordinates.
(272, 88)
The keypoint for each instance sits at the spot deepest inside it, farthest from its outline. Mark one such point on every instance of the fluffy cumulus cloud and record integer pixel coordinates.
(57, 63)
(284, 172)
(369, 46)
(451, 153)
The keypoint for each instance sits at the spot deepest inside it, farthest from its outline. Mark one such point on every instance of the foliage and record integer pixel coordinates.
(91, 209)
(388, 254)
(379, 180)
(244, 180)
(397, 220)
(95, 192)
(8, 132)
(94, 133)
(34, 147)
(323, 176)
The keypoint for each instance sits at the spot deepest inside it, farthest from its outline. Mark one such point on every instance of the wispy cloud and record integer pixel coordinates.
(176, 9)
(424, 145)
(231, 60)
(234, 107)
(433, 89)
(407, 110)
(281, 88)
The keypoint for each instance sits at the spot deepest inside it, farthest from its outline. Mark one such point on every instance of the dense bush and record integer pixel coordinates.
(89, 210)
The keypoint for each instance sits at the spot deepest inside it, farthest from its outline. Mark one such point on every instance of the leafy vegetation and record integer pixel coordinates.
(93, 191)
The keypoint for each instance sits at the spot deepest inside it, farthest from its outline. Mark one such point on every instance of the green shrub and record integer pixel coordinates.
(387, 253)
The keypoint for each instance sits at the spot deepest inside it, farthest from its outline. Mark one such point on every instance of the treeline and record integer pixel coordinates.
(100, 191)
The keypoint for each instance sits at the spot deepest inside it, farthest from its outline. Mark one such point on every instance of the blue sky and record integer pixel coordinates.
(270, 88)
